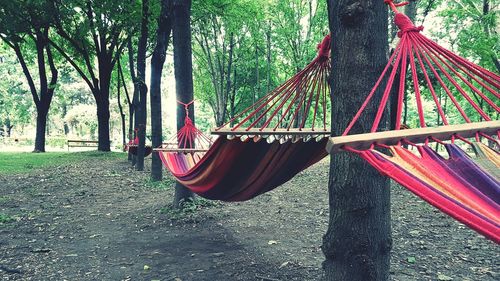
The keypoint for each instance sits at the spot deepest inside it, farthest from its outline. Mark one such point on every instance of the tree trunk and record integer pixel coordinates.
(8, 127)
(157, 61)
(103, 123)
(134, 106)
(358, 241)
(129, 135)
(41, 126)
(120, 107)
(183, 70)
(143, 89)
(65, 124)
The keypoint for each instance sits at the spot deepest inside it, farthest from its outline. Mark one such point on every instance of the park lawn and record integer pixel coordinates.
(22, 162)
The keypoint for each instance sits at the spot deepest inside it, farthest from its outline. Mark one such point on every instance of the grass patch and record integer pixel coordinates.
(4, 199)
(4, 218)
(167, 183)
(22, 162)
(188, 209)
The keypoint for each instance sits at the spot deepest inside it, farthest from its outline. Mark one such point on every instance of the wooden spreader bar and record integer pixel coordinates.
(268, 132)
(419, 135)
(183, 150)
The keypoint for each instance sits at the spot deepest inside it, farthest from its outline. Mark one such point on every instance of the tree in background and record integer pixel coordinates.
(141, 114)
(477, 20)
(358, 241)
(94, 31)
(15, 102)
(298, 26)
(24, 26)
(224, 51)
(163, 33)
(183, 70)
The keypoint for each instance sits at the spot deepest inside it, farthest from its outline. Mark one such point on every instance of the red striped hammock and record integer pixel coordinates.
(133, 144)
(464, 185)
(271, 141)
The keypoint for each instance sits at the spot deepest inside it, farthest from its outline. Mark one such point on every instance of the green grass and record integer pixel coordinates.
(4, 218)
(167, 183)
(188, 209)
(22, 162)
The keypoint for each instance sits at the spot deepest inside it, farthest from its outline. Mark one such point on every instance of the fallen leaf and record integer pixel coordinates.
(411, 259)
(284, 264)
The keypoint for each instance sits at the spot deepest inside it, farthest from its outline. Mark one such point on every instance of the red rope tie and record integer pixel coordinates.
(405, 25)
(324, 48)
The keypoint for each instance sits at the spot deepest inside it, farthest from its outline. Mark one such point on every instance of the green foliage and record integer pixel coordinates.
(188, 209)
(4, 218)
(239, 58)
(16, 105)
(472, 28)
(11, 162)
(167, 183)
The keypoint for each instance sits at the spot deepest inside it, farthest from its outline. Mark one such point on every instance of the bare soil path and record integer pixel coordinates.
(100, 220)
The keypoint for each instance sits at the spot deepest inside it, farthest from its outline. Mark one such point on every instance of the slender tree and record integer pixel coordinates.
(130, 133)
(25, 27)
(141, 115)
(163, 33)
(120, 107)
(358, 242)
(183, 71)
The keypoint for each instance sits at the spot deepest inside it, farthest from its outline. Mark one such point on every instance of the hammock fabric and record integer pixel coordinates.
(133, 149)
(460, 186)
(233, 170)
(464, 187)
(267, 145)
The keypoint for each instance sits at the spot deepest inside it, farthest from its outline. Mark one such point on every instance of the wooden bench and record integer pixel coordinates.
(82, 143)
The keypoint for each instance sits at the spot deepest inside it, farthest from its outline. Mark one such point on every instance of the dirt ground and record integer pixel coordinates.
(100, 220)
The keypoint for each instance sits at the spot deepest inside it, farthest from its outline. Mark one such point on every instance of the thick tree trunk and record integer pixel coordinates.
(103, 124)
(143, 89)
(157, 61)
(183, 69)
(358, 241)
(101, 96)
(41, 126)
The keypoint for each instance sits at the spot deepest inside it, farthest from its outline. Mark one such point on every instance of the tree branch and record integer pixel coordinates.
(73, 63)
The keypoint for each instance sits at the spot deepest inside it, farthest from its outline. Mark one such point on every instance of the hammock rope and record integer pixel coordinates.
(188, 137)
(466, 187)
(289, 105)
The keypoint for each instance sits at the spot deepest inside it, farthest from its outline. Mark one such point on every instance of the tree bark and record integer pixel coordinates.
(41, 126)
(358, 241)
(158, 59)
(130, 104)
(120, 107)
(183, 70)
(143, 89)
(103, 122)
